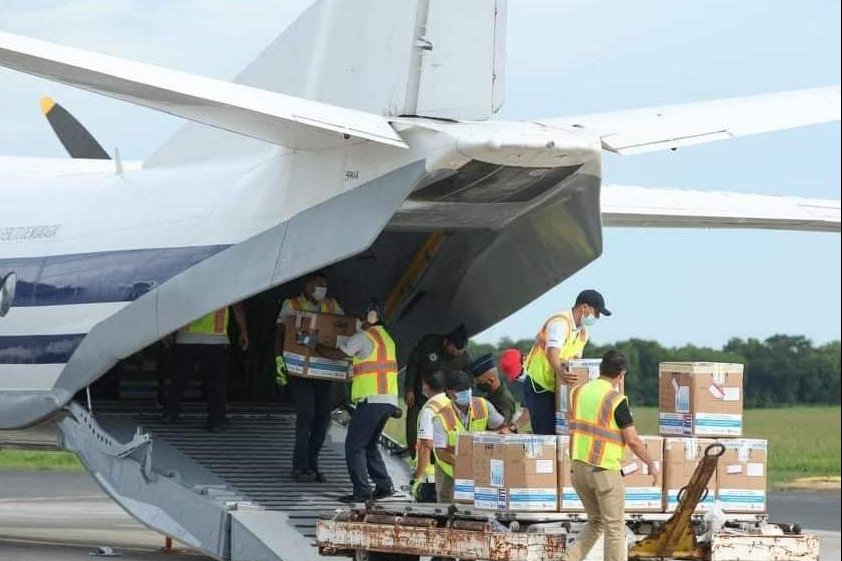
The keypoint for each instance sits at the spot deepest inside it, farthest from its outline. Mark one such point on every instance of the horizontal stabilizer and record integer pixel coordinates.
(673, 126)
(642, 207)
(280, 119)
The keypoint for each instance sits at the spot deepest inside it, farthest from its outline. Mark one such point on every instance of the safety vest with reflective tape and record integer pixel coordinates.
(538, 366)
(377, 373)
(595, 437)
(434, 404)
(326, 306)
(214, 323)
(452, 423)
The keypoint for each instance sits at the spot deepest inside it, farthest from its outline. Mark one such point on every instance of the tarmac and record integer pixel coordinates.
(64, 516)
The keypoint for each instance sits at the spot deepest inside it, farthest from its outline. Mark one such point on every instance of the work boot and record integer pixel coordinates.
(383, 493)
(302, 476)
(320, 477)
(351, 499)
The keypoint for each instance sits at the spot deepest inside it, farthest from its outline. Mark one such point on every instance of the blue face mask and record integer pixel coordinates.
(588, 321)
(463, 398)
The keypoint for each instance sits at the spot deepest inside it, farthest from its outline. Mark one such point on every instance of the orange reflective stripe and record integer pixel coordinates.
(448, 417)
(596, 432)
(479, 410)
(219, 320)
(605, 408)
(381, 359)
(596, 452)
(375, 367)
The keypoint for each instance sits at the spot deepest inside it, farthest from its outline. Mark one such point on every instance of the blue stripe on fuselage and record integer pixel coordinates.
(38, 349)
(110, 276)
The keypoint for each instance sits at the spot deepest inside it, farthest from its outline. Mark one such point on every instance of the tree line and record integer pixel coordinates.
(781, 370)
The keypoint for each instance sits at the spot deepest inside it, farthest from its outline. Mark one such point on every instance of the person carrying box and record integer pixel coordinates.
(562, 337)
(313, 402)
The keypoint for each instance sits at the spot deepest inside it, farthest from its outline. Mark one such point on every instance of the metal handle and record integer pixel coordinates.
(718, 446)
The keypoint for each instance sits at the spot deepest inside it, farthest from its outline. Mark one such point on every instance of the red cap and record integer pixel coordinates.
(511, 363)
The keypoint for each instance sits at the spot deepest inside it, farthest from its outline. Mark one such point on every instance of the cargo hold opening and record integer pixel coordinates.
(392, 271)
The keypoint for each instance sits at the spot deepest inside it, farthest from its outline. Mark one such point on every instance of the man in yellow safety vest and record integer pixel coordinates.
(204, 343)
(562, 337)
(601, 426)
(374, 393)
(465, 413)
(313, 398)
(422, 484)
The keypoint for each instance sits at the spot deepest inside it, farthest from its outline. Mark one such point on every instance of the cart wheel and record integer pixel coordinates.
(715, 450)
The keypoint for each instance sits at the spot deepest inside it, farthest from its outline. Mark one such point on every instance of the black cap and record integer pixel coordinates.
(458, 337)
(594, 299)
(480, 366)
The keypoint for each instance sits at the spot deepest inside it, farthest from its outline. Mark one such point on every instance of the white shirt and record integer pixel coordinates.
(495, 421)
(557, 333)
(357, 345)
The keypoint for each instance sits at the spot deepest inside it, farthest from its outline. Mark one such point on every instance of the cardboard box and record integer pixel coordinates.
(568, 499)
(585, 369)
(515, 472)
(700, 399)
(332, 330)
(642, 494)
(681, 455)
(741, 475)
(463, 469)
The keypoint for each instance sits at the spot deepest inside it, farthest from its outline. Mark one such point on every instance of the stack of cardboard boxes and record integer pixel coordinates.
(700, 404)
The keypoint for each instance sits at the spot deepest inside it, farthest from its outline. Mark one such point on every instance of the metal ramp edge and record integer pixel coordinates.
(211, 517)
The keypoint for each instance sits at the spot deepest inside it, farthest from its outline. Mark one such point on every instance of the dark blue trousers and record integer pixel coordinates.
(362, 454)
(313, 404)
(541, 405)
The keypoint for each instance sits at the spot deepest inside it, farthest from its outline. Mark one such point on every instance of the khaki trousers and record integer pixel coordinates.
(603, 494)
(444, 487)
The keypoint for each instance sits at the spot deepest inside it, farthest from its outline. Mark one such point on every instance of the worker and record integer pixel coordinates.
(422, 484)
(432, 354)
(562, 337)
(511, 364)
(374, 394)
(484, 371)
(465, 413)
(601, 426)
(313, 398)
(203, 343)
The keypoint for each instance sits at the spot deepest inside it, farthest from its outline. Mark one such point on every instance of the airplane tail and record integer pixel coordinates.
(432, 58)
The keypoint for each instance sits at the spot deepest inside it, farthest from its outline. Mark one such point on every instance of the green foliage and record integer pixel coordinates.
(11, 459)
(783, 370)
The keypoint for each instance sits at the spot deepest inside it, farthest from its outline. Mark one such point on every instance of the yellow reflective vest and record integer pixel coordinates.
(538, 367)
(377, 373)
(326, 306)
(214, 323)
(450, 420)
(435, 404)
(595, 437)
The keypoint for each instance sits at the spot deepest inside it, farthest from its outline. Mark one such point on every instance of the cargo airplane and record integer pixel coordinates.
(362, 140)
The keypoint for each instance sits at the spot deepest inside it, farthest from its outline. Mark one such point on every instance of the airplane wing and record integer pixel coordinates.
(673, 126)
(641, 207)
(280, 119)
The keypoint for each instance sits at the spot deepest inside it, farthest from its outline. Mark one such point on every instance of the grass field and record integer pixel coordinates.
(803, 442)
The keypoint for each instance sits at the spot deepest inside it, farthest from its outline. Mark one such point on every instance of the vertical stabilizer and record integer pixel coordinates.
(390, 57)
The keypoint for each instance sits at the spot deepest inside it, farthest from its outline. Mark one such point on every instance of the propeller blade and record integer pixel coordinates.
(76, 139)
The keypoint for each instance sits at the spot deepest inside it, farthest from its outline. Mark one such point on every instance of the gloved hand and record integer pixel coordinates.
(415, 488)
(304, 338)
(281, 371)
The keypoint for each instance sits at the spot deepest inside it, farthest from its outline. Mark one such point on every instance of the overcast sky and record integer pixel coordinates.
(564, 58)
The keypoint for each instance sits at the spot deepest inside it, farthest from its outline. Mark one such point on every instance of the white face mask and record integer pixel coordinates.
(319, 293)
